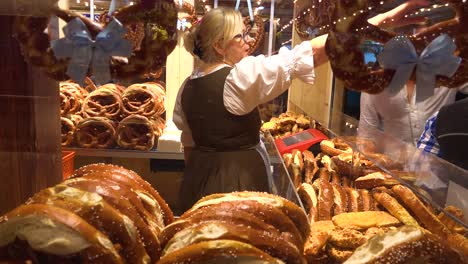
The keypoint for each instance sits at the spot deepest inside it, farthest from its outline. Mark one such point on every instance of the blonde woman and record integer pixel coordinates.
(216, 107)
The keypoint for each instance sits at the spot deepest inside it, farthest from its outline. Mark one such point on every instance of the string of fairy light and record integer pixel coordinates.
(327, 26)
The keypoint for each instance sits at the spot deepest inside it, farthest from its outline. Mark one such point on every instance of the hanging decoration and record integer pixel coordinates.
(159, 18)
(187, 15)
(258, 32)
(437, 58)
(350, 28)
(86, 53)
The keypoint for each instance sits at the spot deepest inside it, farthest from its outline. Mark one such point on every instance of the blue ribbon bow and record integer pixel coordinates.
(436, 59)
(83, 50)
(182, 24)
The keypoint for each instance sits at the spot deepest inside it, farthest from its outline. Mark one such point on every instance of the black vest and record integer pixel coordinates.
(213, 127)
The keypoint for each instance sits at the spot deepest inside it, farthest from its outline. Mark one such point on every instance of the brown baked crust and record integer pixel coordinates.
(310, 165)
(124, 200)
(449, 222)
(422, 213)
(297, 167)
(365, 200)
(340, 200)
(330, 148)
(271, 243)
(365, 220)
(346, 182)
(294, 212)
(375, 179)
(100, 250)
(247, 213)
(309, 199)
(395, 208)
(325, 200)
(347, 238)
(316, 244)
(353, 199)
(120, 174)
(98, 213)
(413, 246)
(339, 255)
(217, 249)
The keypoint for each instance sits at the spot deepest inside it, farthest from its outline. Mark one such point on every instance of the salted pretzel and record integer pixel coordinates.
(314, 15)
(352, 28)
(95, 132)
(259, 32)
(158, 17)
(104, 102)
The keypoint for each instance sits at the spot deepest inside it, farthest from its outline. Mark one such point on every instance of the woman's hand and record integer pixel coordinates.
(396, 17)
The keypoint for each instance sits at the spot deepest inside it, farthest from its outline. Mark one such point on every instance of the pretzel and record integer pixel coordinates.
(259, 33)
(101, 215)
(95, 132)
(146, 99)
(158, 17)
(136, 132)
(104, 102)
(71, 97)
(67, 131)
(352, 28)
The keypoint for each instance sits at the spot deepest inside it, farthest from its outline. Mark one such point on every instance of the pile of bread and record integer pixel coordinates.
(103, 214)
(349, 200)
(239, 227)
(287, 124)
(112, 115)
(108, 214)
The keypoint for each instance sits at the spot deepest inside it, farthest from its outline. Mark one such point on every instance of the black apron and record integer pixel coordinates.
(228, 155)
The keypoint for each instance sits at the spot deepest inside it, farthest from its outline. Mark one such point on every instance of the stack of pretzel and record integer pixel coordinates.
(112, 114)
(286, 124)
(348, 200)
(240, 227)
(103, 214)
(143, 105)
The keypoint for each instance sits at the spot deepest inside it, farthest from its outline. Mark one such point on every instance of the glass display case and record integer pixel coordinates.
(434, 180)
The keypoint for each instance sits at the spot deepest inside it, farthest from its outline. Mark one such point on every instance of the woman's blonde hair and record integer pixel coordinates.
(219, 24)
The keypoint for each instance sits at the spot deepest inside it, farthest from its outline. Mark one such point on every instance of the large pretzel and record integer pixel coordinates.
(259, 32)
(158, 16)
(352, 27)
(95, 132)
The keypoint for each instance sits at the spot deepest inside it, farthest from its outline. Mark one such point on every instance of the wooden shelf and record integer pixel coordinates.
(120, 153)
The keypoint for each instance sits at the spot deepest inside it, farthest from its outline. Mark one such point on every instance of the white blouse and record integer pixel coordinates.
(254, 81)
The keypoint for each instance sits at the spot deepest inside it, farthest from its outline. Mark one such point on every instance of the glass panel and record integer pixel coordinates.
(281, 184)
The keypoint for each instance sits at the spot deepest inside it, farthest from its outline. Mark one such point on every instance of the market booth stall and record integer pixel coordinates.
(104, 89)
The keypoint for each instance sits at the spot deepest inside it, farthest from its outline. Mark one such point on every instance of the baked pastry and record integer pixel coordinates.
(309, 199)
(270, 243)
(395, 208)
(101, 215)
(407, 244)
(310, 165)
(257, 215)
(294, 212)
(422, 213)
(56, 234)
(365, 220)
(219, 251)
(347, 238)
(375, 179)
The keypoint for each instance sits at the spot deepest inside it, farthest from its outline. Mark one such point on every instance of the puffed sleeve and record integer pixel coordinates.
(256, 80)
(181, 122)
